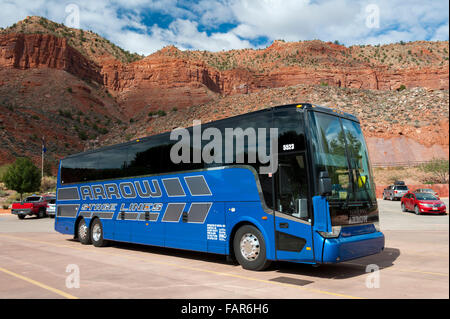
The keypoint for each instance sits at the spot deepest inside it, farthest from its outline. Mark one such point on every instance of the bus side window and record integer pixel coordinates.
(112, 163)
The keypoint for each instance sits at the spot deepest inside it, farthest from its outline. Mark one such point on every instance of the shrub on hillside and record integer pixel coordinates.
(438, 168)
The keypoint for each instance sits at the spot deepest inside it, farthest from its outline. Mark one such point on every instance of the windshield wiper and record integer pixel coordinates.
(339, 204)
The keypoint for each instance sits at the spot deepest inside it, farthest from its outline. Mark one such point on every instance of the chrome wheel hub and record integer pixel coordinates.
(82, 231)
(96, 232)
(250, 246)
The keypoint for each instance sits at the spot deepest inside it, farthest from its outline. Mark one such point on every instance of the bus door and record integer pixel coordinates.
(293, 230)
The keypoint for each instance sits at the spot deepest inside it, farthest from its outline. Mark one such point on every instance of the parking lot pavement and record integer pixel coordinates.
(392, 218)
(37, 262)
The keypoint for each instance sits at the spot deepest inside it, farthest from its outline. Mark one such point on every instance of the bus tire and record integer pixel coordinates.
(250, 248)
(97, 234)
(83, 232)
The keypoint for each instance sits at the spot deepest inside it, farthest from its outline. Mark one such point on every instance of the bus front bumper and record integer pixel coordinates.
(346, 248)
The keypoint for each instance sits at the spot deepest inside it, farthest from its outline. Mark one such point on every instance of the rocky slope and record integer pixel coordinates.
(399, 126)
(151, 83)
(92, 92)
(88, 43)
(172, 78)
(51, 103)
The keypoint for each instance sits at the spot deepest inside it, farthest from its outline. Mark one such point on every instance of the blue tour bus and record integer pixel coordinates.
(318, 206)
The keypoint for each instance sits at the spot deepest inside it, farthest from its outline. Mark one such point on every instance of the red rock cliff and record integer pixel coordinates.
(171, 78)
(24, 51)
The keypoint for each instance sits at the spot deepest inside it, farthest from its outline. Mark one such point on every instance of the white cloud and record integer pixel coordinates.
(213, 13)
(140, 43)
(441, 33)
(122, 21)
(185, 35)
(342, 20)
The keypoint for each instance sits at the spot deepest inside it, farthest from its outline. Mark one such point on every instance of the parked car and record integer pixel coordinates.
(422, 203)
(395, 192)
(33, 205)
(426, 190)
(51, 207)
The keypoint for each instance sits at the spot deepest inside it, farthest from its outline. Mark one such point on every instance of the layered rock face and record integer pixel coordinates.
(103, 96)
(167, 80)
(24, 51)
(159, 83)
(380, 78)
(163, 83)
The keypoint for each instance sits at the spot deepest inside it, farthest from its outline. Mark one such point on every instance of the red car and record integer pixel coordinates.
(33, 205)
(422, 203)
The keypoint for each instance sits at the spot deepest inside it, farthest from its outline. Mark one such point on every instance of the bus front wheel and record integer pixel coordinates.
(250, 248)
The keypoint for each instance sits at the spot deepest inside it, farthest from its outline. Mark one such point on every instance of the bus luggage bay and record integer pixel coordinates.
(317, 206)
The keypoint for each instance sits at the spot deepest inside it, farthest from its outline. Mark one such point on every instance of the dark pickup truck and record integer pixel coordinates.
(33, 205)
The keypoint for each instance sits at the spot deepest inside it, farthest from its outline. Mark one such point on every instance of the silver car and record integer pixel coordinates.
(51, 208)
(395, 192)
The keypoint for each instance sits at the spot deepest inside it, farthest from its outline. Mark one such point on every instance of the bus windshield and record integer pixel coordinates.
(338, 147)
(363, 185)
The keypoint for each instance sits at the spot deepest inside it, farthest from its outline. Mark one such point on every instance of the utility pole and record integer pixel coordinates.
(42, 164)
(43, 150)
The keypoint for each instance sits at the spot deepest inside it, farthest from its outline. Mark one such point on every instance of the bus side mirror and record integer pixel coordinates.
(324, 184)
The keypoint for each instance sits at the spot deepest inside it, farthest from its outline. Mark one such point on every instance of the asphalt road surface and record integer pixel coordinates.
(37, 262)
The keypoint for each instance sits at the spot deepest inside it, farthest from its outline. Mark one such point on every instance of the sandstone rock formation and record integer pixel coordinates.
(92, 89)
(24, 51)
(171, 78)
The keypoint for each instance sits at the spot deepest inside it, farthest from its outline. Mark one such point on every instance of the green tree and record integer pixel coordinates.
(438, 168)
(22, 176)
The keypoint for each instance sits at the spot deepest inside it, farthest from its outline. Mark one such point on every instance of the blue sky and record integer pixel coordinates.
(145, 26)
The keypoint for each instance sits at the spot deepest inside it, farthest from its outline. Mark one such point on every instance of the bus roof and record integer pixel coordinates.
(303, 106)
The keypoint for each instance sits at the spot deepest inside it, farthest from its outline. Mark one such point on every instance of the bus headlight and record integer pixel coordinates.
(377, 226)
(335, 231)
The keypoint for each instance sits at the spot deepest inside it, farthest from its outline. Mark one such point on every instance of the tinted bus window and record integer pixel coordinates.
(291, 136)
(142, 158)
(80, 168)
(243, 127)
(112, 163)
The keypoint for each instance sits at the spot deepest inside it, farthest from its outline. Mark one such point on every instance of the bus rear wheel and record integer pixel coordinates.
(97, 234)
(83, 233)
(250, 248)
